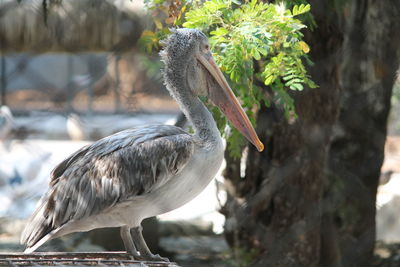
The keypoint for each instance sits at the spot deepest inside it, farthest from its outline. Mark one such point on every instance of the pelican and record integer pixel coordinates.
(138, 173)
(6, 122)
(75, 127)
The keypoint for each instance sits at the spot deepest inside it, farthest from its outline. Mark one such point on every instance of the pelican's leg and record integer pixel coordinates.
(128, 243)
(142, 246)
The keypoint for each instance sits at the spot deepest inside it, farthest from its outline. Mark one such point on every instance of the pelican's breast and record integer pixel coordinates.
(191, 181)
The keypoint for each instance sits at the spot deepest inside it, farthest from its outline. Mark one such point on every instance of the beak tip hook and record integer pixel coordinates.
(260, 147)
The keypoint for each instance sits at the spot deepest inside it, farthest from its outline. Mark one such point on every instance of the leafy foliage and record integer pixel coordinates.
(253, 42)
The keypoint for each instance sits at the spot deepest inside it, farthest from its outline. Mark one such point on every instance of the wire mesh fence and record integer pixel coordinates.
(60, 81)
(72, 55)
(85, 82)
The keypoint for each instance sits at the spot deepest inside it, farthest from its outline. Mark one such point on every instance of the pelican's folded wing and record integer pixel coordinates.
(109, 171)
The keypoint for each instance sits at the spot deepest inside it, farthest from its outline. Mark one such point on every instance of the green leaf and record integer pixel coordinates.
(297, 10)
(296, 86)
(262, 51)
(220, 31)
(288, 77)
(269, 80)
(292, 81)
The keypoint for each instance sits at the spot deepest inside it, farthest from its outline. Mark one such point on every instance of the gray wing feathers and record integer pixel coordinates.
(109, 171)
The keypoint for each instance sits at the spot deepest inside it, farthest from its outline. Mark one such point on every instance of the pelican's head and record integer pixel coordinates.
(190, 69)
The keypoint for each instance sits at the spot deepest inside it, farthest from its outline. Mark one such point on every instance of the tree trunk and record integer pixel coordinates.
(274, 213)
(367, 74)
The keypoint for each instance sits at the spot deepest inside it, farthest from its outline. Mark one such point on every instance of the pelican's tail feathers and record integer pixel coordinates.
(39, 228)
(31, 249)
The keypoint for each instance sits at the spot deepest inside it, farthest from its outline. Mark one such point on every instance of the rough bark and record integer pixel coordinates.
(369, 63)
(276, 213)
(38, 26)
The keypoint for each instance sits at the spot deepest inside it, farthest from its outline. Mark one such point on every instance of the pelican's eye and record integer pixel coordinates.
(206, 48)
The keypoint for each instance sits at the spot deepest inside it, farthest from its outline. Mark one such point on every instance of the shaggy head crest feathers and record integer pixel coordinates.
(180, 43)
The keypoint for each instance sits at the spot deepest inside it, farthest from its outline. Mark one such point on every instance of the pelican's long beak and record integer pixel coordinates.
(224, 98)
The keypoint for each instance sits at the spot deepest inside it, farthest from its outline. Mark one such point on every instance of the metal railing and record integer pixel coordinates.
(116, 258)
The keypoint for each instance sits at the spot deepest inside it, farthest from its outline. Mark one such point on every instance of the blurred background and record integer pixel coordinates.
(71, 72)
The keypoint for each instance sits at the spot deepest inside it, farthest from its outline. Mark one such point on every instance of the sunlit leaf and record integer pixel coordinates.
(269, 80)
(296, 86)
(219, 31)
(304, 46)
(158, 24)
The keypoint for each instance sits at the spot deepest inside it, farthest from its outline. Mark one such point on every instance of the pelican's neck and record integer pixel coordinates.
(196, 112)
(176, 80)
(202, 120)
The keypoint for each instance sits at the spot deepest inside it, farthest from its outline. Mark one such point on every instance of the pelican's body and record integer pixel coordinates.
(139, 173)
(109, 204)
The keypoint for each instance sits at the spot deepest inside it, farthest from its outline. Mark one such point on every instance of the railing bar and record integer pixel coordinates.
(114, 258)
(104, 262)
(72, 260)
